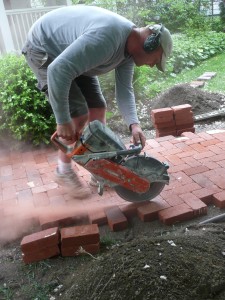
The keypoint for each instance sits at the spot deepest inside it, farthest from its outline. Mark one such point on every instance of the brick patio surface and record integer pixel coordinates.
(29, 194)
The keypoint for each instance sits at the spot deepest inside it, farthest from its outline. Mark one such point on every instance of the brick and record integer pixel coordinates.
(218, 199)
(181, 108)
(204, 78)
(41, 254)
(116, 219)
(162, 115)
(171, 198)
(162, 133)
(40, 240)
(193, 163)
(166, 138)
(190, 135)
(41, 200)
(59, 219)
(204, 194)
(185, 130)
(80, 235)
(206, 136)
(198, 206)
(174, 159)
(166, 125)
(185, 125)
(197, 83)
(184, 119)
(209, 141)
(205, 182)
(196, 170)
(77, 250)
(149, 212)
(190, 187)
(130, 209)
(198, 147)
(215, 149)
(152, 143)
(97, 216)
(211, 74)
(176, 214)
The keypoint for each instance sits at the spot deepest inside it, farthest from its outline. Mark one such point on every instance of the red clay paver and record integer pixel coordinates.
(197, 169)
(40, 240)
(80, 235)
(116, 219)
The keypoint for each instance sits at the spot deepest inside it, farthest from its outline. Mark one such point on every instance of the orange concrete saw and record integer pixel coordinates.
(135, 177)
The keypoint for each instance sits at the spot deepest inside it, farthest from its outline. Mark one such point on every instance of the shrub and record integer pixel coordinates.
(25, 113)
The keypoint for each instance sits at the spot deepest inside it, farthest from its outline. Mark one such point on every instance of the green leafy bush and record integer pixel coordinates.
(25, 113)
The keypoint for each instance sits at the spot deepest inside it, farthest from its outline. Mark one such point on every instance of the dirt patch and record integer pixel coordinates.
(146, 261)
(187, 264)
(200, 100)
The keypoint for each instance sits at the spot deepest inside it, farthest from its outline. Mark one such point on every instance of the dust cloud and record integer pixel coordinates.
(21, 221)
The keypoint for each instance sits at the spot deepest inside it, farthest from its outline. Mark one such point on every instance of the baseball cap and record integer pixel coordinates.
(166, 42)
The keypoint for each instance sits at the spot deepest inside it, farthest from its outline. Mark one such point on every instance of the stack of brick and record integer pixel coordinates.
(77, 239)
(173, 120)
(40, 245)
(69, 241)
(163, 121)
(183, 117)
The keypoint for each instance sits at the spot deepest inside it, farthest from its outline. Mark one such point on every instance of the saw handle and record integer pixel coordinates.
(68, 150)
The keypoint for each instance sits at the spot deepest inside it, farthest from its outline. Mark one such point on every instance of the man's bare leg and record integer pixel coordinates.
(65, 175)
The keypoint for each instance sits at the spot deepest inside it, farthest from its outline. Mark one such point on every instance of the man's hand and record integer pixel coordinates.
(67, 131)
(138, 135)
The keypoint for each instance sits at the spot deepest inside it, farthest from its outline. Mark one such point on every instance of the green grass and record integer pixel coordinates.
(214, 64)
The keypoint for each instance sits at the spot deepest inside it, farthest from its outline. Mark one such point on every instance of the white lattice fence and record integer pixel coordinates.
(21, 20)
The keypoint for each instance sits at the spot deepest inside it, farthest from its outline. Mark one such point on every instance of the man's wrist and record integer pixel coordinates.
(131, 125)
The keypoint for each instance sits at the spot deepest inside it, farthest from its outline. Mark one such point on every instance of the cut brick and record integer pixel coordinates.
(40, 240)
(198, 206)
(116, 219)
(176, 214)
(80, 235)
(41, 254)
(219, 199)
(79, 250)
(149, 212)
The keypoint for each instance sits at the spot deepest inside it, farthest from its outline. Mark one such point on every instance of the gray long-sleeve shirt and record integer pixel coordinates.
(85, 40)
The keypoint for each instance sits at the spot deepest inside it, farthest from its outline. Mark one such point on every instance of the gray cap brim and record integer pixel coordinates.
(166, 43)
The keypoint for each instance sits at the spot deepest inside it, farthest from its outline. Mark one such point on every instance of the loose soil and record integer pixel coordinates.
(147, 261)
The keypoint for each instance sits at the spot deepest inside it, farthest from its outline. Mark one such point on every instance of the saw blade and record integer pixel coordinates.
(154, 190)
(148, 168)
